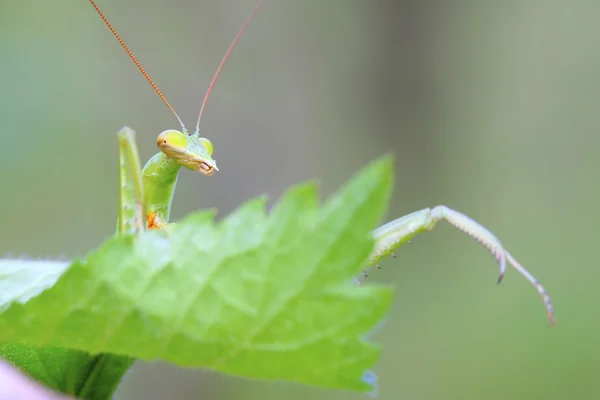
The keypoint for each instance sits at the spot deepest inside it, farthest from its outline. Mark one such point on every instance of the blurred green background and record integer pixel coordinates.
(491, 108)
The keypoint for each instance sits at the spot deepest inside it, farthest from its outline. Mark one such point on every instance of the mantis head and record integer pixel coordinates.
(190, 151)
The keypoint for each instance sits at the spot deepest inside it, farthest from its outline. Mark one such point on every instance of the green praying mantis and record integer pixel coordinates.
(146, 194)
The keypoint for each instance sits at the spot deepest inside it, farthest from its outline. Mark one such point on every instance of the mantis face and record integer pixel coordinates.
(192, 152)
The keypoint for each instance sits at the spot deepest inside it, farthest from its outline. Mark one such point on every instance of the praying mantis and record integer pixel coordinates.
(146, 193)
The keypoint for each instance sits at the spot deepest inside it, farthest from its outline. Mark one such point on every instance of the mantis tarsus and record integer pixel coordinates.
(146, 193)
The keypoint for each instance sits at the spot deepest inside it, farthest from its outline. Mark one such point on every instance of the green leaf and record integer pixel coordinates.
(20, 280)
(259, 296)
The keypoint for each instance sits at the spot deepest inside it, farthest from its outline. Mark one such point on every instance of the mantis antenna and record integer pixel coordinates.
(137, 63)
(225, 57)
(155, 87)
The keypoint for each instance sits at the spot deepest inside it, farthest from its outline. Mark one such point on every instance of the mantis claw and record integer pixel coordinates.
(500, 278)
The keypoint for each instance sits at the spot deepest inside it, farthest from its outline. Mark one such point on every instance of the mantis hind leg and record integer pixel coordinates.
(394, 234)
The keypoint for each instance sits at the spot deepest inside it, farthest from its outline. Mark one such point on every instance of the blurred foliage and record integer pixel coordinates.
(489, 107)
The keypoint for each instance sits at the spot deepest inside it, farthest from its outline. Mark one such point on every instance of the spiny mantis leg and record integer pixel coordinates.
(394, 234)
(132, 211)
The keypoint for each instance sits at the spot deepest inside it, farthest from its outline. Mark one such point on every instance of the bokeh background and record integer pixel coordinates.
(492, 108)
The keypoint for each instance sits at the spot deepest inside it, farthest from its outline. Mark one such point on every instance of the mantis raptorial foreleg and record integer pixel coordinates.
(131, 189)
(394, 234)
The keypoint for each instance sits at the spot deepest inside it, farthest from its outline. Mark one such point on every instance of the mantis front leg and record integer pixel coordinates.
(394, 234)
(132, 208)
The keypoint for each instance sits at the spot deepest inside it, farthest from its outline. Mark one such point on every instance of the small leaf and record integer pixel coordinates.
(256, 295)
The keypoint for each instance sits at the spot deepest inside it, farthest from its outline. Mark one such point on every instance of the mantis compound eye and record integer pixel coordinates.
(172, 139)
(207, 144)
